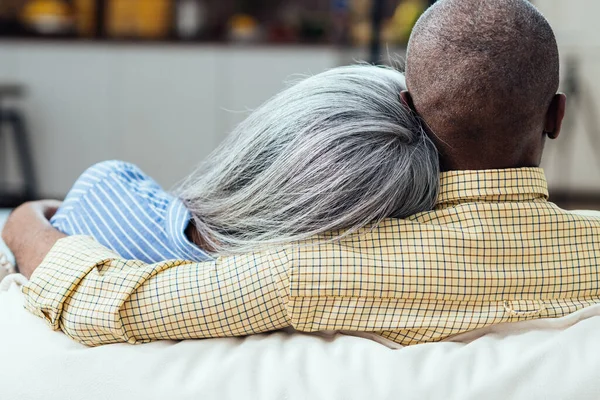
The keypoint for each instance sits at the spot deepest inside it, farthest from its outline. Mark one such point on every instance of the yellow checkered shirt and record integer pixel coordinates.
(494, 250)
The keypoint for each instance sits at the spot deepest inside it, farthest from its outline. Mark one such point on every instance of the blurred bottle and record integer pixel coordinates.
(395, 30)
(361, 25)
(47, 17)
(313, 28)
(153, 18)
(286, 26)
(191, 17)
(340, 10)
(244, 28)
(85, 17)
(121, 18)
(399, 27)
(146, 19)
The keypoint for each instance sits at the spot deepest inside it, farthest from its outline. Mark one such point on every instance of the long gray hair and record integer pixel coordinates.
(337, 151)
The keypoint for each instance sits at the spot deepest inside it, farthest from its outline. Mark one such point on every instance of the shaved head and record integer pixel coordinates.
(483, 75)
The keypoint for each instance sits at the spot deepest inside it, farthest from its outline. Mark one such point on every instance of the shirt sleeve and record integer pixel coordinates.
(126, 211)
(96, 297)
(65, 218)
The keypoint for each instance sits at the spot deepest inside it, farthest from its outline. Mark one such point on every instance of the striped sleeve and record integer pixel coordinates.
(126, 211)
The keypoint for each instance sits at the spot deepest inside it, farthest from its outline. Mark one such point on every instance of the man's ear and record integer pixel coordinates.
(407, 100)
(555, 115)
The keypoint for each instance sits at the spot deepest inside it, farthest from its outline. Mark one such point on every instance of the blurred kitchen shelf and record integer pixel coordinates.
(159, 42)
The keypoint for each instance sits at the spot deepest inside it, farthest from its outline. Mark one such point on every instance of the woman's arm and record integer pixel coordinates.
(29, 235)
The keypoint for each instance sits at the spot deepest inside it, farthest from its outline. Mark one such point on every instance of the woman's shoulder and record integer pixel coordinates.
(113, 168)
(121, 207)
(123, 174)
(116, 179)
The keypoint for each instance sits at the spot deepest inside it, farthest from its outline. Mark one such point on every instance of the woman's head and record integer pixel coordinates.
(336, 151)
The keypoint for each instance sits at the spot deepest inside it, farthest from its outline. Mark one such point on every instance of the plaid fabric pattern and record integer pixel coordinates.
(494, 250)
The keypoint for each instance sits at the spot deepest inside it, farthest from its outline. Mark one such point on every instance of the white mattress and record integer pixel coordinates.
(544, 359)
(559, 359)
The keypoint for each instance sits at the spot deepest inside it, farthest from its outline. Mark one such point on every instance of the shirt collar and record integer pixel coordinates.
(498, 185)
(178, 219)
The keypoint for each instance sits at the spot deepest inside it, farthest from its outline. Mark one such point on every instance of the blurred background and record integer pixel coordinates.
(161, 82)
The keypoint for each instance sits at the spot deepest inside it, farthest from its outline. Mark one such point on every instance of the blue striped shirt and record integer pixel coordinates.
(128, 212)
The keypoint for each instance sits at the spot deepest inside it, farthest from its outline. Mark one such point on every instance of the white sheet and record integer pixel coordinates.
(560, 359)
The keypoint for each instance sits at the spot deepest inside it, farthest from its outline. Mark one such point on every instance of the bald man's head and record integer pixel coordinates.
(483, 75)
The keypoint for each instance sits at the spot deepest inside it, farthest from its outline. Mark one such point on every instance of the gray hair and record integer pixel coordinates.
(337, 151)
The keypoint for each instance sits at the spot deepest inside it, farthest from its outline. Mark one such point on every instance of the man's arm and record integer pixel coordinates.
(96, 297)
(29, 235)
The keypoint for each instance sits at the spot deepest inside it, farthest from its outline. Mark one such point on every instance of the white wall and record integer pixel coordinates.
(166, 107)
(161, 107)
(573, 161)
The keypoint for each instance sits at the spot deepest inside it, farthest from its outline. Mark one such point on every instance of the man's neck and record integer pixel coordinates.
(491, 150)
(484, 163)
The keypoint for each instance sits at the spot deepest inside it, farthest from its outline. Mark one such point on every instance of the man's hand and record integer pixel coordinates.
(29, 235)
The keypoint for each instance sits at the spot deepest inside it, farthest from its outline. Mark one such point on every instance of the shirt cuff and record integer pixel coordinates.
(63, 268)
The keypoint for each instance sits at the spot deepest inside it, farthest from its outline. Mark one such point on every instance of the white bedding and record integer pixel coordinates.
(560, 359)
(545, 359)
